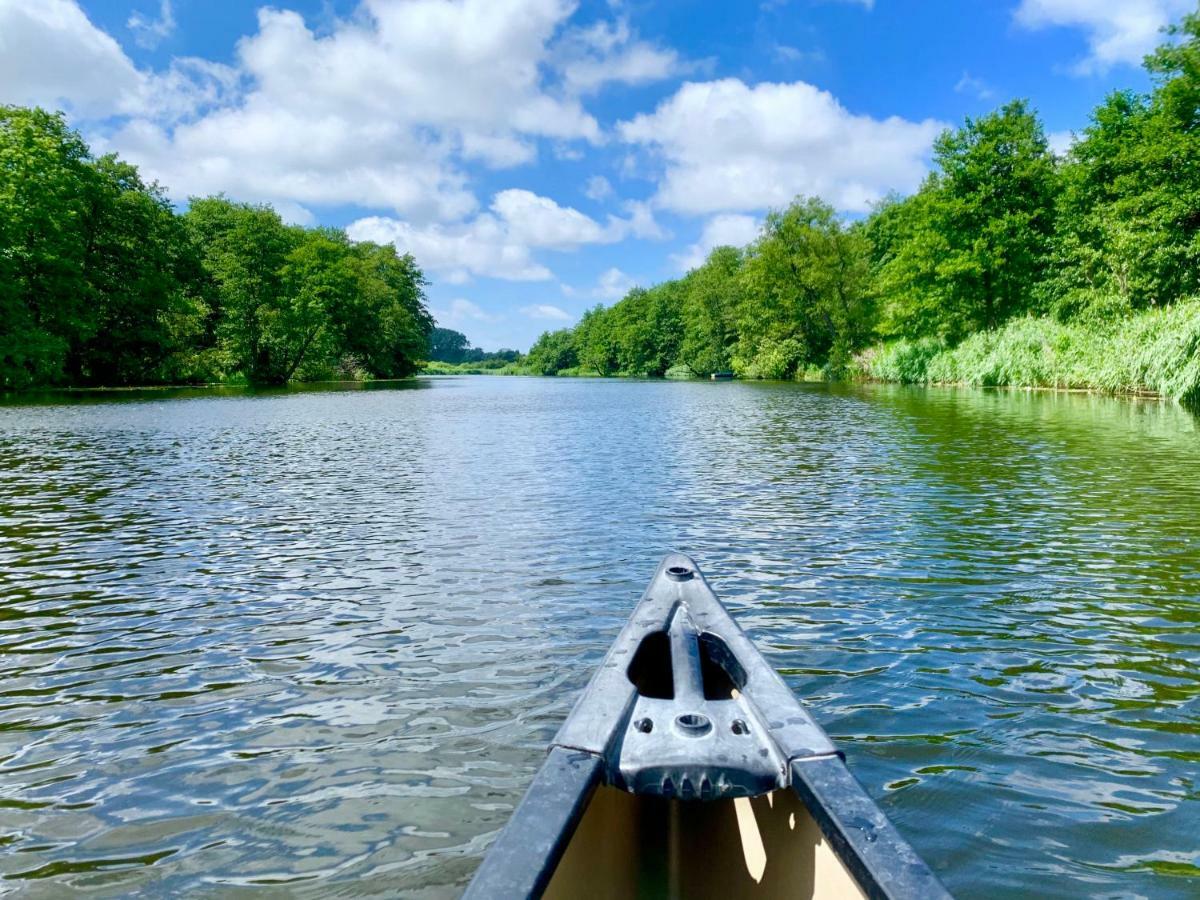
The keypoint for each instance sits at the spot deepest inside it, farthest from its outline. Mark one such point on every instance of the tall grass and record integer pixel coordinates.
(1157, 350)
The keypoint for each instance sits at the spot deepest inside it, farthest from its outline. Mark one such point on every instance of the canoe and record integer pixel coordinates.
(688, 769)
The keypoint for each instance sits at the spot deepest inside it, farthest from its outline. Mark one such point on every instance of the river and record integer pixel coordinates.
(317, 640)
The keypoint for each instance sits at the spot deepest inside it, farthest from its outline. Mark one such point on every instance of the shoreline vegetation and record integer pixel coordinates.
(1011, 266)
(103, 282)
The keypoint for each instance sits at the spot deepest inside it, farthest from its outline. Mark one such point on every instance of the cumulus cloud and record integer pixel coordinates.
(462, 312)
(500, 242)
(150, 32)
(381, 109)
(546, 311)
(728, 229)
(1117, 33)
(731, 147)
(597, 188)
(52, 55)
(377, 111)
(613, 284)
(459, 251)
(604, 53)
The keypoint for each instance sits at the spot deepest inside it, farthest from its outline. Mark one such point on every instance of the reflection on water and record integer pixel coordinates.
(318, 640)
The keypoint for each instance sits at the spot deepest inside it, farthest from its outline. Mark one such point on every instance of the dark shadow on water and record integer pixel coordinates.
(93, 396)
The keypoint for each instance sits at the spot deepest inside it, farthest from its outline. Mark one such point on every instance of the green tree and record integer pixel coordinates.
(552, 352)
(244, 249)
(46, 194)
(448, 345)
(804, 297)
(383, 322)
(596, 342)
(645, 328)
(977, 236)
(140, 266)
(1129, 234)
(710, 299)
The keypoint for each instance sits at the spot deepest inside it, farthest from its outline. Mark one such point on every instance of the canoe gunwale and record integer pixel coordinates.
(864, 839)
(589, 750)
(522, 860)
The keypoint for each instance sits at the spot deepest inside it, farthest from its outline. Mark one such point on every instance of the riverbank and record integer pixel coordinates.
(1152, 352)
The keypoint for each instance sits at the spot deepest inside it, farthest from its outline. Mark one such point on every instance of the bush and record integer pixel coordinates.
(904, 361)
(1157, 350)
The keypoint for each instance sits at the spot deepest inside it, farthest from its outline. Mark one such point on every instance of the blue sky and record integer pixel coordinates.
(542, 156)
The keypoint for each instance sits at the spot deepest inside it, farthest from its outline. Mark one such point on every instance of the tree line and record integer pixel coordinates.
(1002, 229)
(102, 282)
(454, 348)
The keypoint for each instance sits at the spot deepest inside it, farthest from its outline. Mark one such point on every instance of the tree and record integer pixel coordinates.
(596, 342)
(645, 329)
(46, 194)
(1129, 234)
(803, 297)
(384, 322)
(552, 352)
(140, 266)
(447, 345)
(244, 249)
(710, 298)
(977, 236)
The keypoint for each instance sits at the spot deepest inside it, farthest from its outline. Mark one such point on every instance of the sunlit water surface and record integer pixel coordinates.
(315, 642)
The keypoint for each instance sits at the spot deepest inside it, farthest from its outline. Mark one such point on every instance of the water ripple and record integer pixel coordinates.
(315, 642)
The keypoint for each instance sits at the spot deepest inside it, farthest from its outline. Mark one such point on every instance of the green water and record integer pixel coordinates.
(316, 641)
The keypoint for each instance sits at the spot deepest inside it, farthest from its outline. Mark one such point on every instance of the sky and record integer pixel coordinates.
(538, 157)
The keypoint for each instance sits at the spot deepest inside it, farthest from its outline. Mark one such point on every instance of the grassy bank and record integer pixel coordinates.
(1154, 351)
(473, 368)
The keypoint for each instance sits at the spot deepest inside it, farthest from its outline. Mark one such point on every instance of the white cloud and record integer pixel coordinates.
(540, 222)
(499, 243)
(52, 55)
(546, 311)
(462, 312)
(1122, 31)
(376, 112)
(786, 53)
(605, 53)
(732, 147)
(976, 87)
(597, 188)
(612, 285)
(381, 109)
(640, 224)
(457, 252)
(729, 229)
(150, 32)
(1060, 142)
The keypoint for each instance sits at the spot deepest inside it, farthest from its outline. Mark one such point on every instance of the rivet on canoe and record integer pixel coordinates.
(645, 726)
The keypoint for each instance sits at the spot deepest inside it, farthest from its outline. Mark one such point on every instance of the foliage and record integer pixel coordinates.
(965, 252)
(47, 209)
(803, 298)
(453, 347)
(710, 294)
(1008, 266)
(552, 353)
(101, 282)
(1153, 350)
(447, 345)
